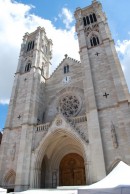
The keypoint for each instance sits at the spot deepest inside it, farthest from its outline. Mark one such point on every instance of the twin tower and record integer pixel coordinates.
(73, 127)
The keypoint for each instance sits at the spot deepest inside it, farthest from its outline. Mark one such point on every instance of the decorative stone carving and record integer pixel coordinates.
(69, 105)
(114, 136)
(59, 122)
(91, 28)
(79, 130)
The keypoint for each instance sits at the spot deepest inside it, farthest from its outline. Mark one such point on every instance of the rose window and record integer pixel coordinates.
(69, 105)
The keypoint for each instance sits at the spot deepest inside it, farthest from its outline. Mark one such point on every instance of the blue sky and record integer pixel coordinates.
(20, 16)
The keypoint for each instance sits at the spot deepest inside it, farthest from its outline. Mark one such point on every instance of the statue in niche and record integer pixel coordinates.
(13, 151)
(114, 136)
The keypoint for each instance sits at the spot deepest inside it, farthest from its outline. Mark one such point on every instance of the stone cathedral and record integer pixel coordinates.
(73, 127)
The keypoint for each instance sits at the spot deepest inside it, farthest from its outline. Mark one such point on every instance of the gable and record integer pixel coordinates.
(68, 68)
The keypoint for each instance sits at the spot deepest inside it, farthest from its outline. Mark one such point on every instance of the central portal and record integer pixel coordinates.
(72, 170)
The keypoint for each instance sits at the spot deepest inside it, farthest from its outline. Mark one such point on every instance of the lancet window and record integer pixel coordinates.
(66, 69)
(30, 45)
(28, 67)
(94, 40)
(89, 19)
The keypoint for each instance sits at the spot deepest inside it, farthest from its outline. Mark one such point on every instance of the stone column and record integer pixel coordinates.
(23, 164)
(97, 170)
(3, 151)
(96, 155)
(32, 171)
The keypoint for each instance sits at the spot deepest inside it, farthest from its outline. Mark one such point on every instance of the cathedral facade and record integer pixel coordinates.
(73, 127)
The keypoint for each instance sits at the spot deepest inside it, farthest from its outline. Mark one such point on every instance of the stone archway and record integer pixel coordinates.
(9, 181)
(57, 145)
(72, 170)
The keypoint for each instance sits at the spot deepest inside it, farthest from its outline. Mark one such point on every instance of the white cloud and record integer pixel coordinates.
(123, 49)
(4, 102)
(15, 20)
(67, 17)
(122, 46)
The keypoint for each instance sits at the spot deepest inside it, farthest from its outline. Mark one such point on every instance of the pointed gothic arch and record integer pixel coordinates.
(66, 69)
(50, 150)
(72, 170)
(93, 39)
(9, 179)
(28, 66)
(89, 19)
(113, 165)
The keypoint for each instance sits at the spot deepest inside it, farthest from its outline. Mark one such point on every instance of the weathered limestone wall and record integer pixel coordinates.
(56, 87)
(9, 153)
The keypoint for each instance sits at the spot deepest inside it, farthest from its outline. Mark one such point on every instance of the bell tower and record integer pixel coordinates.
(33, 69)
(105, 90)
(97, 48)
(27, 103)
(36, 52)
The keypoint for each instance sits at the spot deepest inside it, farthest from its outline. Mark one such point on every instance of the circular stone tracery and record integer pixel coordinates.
(69, 105)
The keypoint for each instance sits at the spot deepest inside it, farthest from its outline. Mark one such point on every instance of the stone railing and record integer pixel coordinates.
(74, 120)
(43, 127)
(78, 119)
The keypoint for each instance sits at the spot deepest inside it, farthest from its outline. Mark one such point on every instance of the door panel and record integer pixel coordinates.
(79, 177)
(72, 170)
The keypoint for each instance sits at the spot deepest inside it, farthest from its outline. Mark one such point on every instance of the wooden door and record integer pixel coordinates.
(72, 170)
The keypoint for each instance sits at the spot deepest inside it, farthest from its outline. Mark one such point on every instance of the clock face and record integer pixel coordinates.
(66, 80)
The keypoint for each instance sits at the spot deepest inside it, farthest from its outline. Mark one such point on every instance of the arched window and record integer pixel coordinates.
(94, 41)
(91, 41)
(33, 45)
(30, 45)
(88, 21)
(66, 69)
(91, 18)
(28, 67)
(9, 181)
(94, 17)
(97, 39)
(84, 20)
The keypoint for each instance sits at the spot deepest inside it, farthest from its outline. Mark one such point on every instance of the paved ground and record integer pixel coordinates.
(118, 190)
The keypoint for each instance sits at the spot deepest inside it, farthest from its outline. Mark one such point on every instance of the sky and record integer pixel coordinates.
(21, 16)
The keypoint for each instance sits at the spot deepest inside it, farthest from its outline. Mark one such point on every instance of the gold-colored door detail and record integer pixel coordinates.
(72, 170)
